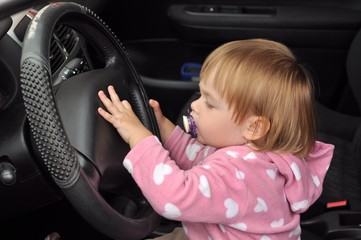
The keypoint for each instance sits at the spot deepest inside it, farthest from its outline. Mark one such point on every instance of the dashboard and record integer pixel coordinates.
(12, 35)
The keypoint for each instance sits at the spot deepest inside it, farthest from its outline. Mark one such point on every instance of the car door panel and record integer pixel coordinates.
(220, 23)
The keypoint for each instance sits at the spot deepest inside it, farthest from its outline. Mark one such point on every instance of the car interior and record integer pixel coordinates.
(61, 165)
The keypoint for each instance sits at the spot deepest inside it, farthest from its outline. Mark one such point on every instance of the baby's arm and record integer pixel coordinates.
(197, 194)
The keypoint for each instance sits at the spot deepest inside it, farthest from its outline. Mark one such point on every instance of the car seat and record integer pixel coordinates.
(337, 213)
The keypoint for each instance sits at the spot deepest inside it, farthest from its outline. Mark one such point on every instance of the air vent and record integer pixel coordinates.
(62, 43)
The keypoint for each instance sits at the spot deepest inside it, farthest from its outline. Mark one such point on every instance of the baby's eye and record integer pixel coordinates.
(208, 105)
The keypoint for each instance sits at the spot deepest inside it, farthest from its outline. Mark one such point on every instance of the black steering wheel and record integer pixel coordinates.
(81, 152)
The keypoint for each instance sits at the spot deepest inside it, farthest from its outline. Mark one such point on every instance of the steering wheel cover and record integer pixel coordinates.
(70, 171)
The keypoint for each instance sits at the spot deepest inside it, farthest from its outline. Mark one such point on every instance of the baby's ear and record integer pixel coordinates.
(257, 127)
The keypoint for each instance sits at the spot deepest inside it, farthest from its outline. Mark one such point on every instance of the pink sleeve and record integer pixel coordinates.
(175, 193)
(185, 150)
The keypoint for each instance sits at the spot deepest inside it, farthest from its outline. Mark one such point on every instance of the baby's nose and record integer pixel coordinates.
(194, 106)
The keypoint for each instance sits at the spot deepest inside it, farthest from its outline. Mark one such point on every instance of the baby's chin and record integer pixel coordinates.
(203, 141)
(200, 140)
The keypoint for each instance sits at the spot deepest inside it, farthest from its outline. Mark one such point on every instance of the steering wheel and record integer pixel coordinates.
(79, 150)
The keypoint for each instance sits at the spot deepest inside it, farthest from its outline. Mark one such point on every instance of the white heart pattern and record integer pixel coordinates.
(271, 173)
(160, 171)
(204, 186)
(296, 171)
(205, 154)
(261, 206)
(171, 211)
(264, 237)
(295, 232)
(239, 226)
(250, 155)
(277, 223)
(206, 166)
(128, 165)
(232, 154)
(192, 151)
(222, 228)
(316, 181)
(299, 205)
(239, 174)
(231, 208)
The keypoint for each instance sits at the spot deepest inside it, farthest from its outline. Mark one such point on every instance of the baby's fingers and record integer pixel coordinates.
(114, 96)
(126, 104)
(156, 107)
(110, 106)
(107, 116)
(105, 100)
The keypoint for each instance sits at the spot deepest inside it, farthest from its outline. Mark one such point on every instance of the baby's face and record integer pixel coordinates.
(213, 119)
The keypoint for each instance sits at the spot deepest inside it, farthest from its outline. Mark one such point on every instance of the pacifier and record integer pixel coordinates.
(190, 126)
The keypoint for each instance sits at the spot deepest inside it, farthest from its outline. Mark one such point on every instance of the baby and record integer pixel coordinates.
(253, 164)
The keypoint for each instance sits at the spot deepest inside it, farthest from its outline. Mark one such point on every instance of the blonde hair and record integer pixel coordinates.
(263, 77)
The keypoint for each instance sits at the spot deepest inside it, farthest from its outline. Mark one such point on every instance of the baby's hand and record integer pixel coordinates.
(166, 127)
(121, 116)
